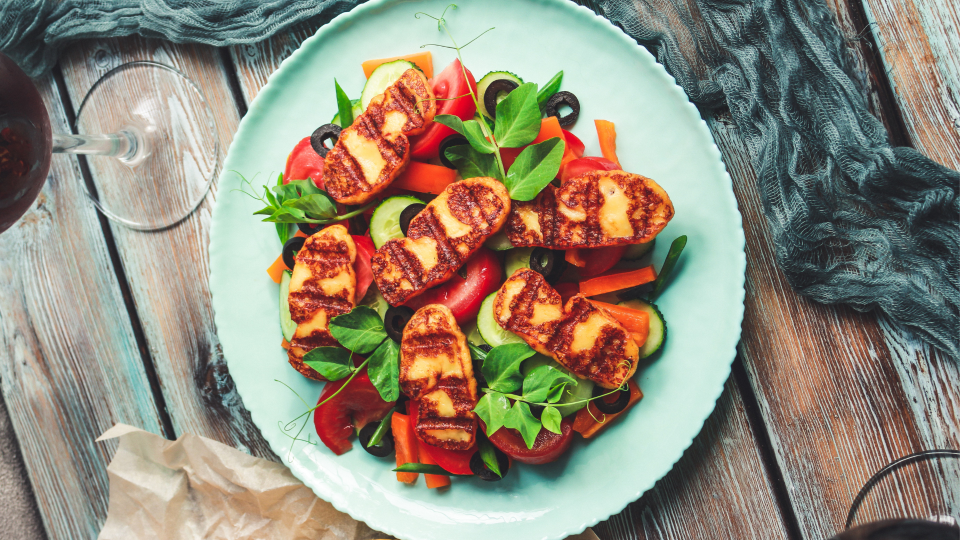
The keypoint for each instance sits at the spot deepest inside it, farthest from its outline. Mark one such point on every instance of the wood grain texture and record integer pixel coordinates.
(919, 41)
(69, 364)
(167, 270)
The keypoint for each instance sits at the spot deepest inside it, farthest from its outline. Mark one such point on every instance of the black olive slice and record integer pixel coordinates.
(548, 263)
(383, 449)
(559, 99)
(290, 249)
(449, 142)
(408, 214)
(607, 407)
(490, 95)
(326, 132)
(478, 373)
(479, 468)
(485, 348)
(401, 404)
(395, 320)
(309, 229)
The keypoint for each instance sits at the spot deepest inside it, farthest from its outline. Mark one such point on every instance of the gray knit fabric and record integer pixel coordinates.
(853, 219)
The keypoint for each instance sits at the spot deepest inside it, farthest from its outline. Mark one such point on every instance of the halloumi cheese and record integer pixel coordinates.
(323, 285)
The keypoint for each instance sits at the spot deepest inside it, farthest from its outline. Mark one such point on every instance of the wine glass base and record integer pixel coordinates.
(174, 151)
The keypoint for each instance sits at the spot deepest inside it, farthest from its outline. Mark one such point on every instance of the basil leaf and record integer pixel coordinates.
(518, 117)
(344, 106)
(521, 419)
(426, 469)
(318, 206)
(361, 330)
(672, 256)
(489, 456)
(492, 409)
(471, 164)
(551, 419)
(541, 380)
(501, 368)
(534, 168)
(469, 129)
(549, 89)
(384, 370)
(334, 363)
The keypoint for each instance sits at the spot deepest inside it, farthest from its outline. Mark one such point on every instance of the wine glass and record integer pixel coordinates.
(147, 129)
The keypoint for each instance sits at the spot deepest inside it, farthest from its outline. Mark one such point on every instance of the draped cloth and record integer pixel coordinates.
(853, 219)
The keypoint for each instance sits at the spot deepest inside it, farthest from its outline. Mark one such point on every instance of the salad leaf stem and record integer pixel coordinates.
(382, 429)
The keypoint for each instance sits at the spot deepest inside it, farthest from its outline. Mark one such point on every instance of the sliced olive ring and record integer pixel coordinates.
(326, 132)
(607, 407)
(479, 468)
(383, 449)
(401, 405)
(395, 320)
(485, 348)
(490, 96)
(290, 249)
(559, 99)
(449, 142)
(478, 373)
(408, 214)
(309, 229)
(548, 263)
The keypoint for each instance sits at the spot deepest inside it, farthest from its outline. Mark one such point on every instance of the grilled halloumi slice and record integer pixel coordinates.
(440, 238)
(595, 209)
(580, 336)
(375, 149)
(436, 369)
(323, 285)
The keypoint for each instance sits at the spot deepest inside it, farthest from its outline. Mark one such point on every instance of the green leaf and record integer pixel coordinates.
(270, 197)
(426, 469)
(381, 430)
(501, 368)
(541, 380)
(361, 330)
(492, 409)
(676, 248)
(306, 187)
(344, 106)
(334, 363)
(476, 352)
(471, 164)
(521, 419)
(265, 211)
(556, 393)
(518, 117)
(317, 206)
(551, 419)
(549, 89)
(469, 129)
(283, 231)
(489, 456)
(384, 370)
(534, 168)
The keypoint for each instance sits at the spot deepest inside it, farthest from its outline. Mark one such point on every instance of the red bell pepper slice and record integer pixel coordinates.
(352, 408)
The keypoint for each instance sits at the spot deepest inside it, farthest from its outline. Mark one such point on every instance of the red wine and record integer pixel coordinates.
(25, 143)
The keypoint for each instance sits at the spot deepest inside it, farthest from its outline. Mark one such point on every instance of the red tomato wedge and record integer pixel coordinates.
(455, 461)
(574, 145)
(546, 448)
(362, 266)
(450, 83)
(599, 260)
(584, 165)
(357, 405)
(464, 296)
(304, 162)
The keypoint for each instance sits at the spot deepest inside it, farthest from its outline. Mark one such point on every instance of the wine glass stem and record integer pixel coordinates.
(122, 145)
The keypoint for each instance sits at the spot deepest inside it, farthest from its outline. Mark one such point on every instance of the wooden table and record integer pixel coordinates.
(96, 329)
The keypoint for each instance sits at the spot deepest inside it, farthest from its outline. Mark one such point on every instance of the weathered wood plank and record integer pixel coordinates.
(167, 270)
(920, 46)
(69, 363)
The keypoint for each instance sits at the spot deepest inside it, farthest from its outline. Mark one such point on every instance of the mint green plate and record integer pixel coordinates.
(659, 134)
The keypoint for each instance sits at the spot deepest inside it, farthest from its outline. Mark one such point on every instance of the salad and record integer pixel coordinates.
(473, 289)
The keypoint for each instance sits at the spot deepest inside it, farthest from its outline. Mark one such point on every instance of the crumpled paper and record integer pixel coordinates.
(195, 488)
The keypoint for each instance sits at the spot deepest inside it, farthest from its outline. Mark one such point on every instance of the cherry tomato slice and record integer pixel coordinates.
(356, 406)
(448, 84)
(362, 266)
(584, 165)
(464, 296)
(455, 461)
(304, 162)
(546, 448)
(599, 260)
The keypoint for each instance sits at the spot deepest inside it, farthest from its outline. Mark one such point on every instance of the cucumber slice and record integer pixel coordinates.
(486, 81)
(658, 327)
(581, 391)
(490, 329)
(286, 322)
(516, 259)
(385, 221)
(376, 301)
(357, 110)
(635, 251)
(473, 334)
(499, 241)
(381, 78)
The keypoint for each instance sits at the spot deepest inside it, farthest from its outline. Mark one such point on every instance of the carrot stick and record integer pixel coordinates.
(574, 257)
(549, 128)
(632, 320)
(276, 269)
(425, 178)
(301, 233)
(423, 60)
(285, 344)
(611, 282)
(405, 441)
(433, 480)
(584, 423)
(607, 135)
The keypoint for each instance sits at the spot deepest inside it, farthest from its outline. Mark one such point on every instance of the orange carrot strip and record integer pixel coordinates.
(633, 320)
(285, 344)
(607, 135)
(276, 269)
(584, 423)
(301, 233)
(639, 338)
(405, 441)
(549, 128)
(423, 60)
(610, 282)
(425, 178)
(574, 257)
(433, 480)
